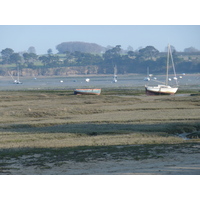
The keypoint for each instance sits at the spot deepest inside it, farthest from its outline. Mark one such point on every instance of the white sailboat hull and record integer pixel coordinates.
(160, 90)
(164, 89)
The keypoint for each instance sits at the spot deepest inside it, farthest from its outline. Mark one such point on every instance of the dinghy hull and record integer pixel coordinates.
(87, 91)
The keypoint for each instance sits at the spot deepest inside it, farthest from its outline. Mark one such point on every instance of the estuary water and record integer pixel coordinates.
(191, 81)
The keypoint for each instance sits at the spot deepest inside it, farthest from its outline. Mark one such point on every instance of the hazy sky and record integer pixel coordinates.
(43, 37)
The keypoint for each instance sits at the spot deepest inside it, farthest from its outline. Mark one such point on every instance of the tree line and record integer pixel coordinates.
(109, 61)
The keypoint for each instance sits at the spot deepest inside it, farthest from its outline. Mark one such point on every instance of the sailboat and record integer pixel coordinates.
(115, 75)
(115, 79)
(17, 81)
(147, 78)
(165, 88)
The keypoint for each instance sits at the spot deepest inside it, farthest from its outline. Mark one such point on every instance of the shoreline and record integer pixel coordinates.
(184, 162)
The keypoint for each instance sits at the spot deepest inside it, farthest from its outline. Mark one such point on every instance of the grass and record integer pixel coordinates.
(119, 124)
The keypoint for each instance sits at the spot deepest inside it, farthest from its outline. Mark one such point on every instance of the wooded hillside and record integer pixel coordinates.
(79, 46)
(88, 61)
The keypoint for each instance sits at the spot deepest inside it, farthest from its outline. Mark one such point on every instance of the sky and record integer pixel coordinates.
(45, 24)
(43, 37)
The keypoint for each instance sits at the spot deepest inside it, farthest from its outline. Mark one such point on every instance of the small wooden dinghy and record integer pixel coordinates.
(87, 91)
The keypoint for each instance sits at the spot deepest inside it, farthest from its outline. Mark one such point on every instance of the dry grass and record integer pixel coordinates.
(59, 119)
(60, 140)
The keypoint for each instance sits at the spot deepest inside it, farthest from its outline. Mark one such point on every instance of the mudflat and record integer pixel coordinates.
(56, 132)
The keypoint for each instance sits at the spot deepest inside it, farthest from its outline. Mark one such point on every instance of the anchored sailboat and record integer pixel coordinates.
(165, 88)
(115, 75)
(17, 81)
(147, 78)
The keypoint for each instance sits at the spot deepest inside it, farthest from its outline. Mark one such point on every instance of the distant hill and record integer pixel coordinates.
(79, 46)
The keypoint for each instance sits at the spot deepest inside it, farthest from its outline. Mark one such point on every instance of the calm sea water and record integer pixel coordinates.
(123, 81)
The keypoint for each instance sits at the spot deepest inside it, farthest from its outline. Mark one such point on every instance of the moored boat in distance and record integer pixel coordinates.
(17, 82)
(87, 91)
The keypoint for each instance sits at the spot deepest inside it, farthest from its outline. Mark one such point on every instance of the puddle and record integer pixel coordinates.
(183, 135)
(188, 136)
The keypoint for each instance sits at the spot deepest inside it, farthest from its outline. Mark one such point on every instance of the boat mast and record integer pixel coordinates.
(11, 76)
(173, 66)
(167, 70)
(18, 73)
